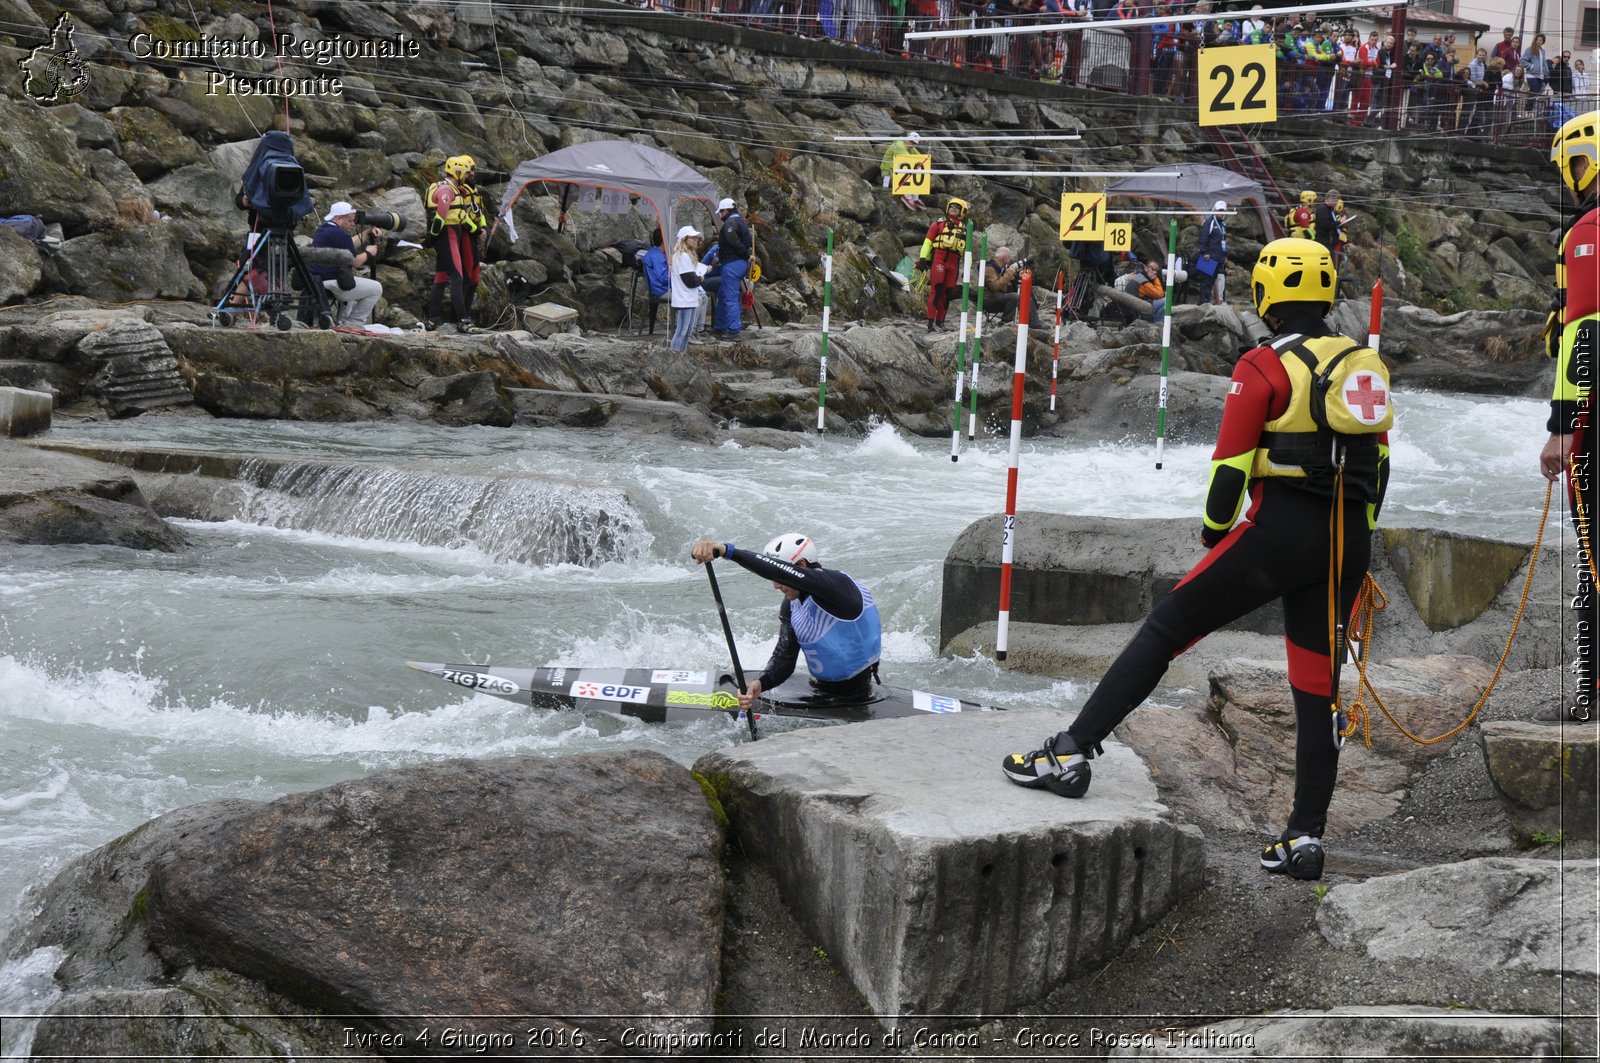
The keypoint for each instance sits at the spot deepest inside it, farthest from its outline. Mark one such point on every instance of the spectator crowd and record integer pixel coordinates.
(1509, 92)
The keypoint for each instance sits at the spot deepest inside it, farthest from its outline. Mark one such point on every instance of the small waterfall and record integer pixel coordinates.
(514, 519)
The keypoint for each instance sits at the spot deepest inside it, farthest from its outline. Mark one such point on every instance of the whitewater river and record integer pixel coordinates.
(267, 658)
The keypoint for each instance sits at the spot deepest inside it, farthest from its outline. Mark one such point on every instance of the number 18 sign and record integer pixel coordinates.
(1238, 84)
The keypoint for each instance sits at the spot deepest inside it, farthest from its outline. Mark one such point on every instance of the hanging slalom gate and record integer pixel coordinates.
(977, 338)
(827, 306)
(961, 348)
(1008, 545)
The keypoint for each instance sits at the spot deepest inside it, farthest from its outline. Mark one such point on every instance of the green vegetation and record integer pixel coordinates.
(1545, 838)
(719, 794)
(1408, 248)
(1320, 891)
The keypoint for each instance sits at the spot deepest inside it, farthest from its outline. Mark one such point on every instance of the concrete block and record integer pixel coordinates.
(547, 319)
(1451, 578)
(24, 413)
(935, 885)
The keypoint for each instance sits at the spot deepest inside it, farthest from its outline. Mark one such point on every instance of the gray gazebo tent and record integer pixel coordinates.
(1198, 187)
(637, 169)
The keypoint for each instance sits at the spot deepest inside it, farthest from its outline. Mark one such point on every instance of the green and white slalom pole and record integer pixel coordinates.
(961, 347)
(977, 338)
(827, 307)
(1166, 344)
(1055, 355)
(1008, 546)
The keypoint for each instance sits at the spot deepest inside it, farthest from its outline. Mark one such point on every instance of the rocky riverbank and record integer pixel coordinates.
(1438, 929)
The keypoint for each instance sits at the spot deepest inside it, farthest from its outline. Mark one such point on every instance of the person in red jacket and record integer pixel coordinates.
(1572, 334)
(941, 259)
(1272, 455)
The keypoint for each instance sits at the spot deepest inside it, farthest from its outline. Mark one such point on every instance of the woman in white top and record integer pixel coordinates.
(686, 270)
(1580, 79)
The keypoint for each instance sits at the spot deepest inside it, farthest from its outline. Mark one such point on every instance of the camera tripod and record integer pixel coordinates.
(274, 278)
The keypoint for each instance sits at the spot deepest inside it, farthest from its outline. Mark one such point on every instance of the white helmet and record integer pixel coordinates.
(792, 547)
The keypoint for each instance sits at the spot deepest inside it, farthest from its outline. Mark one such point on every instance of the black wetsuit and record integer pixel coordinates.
(1280, 551)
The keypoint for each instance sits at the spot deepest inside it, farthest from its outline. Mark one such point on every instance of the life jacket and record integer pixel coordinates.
(949, 237)
(837, 649)
(466, 210)
(1301, 222)
(1338, 402)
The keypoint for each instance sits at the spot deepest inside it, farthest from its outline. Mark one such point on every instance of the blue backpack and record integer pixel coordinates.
(26, 226)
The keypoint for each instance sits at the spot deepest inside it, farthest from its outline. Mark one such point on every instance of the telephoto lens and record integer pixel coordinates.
(381, 219)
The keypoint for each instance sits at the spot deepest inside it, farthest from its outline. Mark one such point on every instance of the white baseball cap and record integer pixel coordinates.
(338, 209)
(1219, 205)
(914, 135)
(726, 204)
(688, 230)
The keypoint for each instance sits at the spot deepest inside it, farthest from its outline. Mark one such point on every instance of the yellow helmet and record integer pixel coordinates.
(1308, 196)
(1338, 206)
(955, 202)
(1293, 271)
(1579, 138)
(458, 166)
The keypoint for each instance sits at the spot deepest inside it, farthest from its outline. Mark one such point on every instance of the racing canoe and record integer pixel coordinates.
(657, 694)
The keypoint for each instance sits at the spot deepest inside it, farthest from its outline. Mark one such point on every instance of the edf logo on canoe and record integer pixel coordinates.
(611, 692)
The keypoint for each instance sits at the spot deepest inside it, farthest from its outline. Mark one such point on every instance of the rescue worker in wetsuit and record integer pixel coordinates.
(1269, 453)
(941, 255)
(457, 225)
(1571, 336)
(826, 615)
(1301, 221)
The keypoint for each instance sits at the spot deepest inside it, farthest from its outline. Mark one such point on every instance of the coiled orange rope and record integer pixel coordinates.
(1371, 600)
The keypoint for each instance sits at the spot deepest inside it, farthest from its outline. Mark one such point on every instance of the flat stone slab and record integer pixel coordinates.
(936, 885)
(1491, 914)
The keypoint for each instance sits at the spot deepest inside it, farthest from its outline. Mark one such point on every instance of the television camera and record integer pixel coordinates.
(272, 276)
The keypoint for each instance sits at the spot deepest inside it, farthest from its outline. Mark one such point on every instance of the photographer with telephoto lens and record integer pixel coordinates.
(354, 296)
(1002, 283)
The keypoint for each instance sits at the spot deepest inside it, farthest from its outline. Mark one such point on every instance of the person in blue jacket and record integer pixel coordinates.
(653, 263)
(733, 255)
(1211, 257)
(827, 615)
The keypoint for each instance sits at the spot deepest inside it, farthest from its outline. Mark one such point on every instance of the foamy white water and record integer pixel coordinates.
(268, 659)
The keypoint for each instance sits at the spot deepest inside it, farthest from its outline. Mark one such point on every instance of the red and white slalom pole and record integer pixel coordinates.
(1055, 355)
(1008, 547)
(1375, 323)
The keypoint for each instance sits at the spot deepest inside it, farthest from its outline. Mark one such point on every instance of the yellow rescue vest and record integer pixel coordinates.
(467, 209)
(1295, 446)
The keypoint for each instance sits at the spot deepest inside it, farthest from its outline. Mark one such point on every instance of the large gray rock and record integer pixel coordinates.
(579, 410)
(588, 885)
(1547, 776)
(1232, 763)
(20, 266)
(43, 172)
(952, 892)
(136, 370)
(1368, 1032)
(1491, 914)
(468, 398)
(146, 262)
(53, 499)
